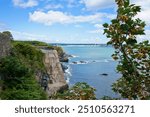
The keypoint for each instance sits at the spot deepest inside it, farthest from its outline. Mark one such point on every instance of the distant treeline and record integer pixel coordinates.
(65, 44)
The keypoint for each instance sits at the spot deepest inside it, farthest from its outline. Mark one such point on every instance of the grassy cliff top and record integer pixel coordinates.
(42, 45)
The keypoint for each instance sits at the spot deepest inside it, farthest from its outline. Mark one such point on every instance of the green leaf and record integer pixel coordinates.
(126, 3)
(114, 21)
(105, 25)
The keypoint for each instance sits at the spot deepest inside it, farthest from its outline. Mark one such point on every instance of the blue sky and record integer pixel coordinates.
(62, 21)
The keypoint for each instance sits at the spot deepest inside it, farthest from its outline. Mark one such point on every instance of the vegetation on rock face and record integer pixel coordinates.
(133, 57)
(34, 43)
(29, 55)
(80, 91)
(18, 81)
(44, 45)
(17, 72)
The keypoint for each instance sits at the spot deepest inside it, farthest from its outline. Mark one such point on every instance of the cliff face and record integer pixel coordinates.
(54, 71)
(4, 47)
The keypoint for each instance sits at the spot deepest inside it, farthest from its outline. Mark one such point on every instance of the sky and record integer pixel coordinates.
(63, 21)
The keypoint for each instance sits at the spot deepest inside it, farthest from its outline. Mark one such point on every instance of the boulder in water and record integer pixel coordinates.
(64, 58)
(104, 74)
(75, 62)
(83, 62)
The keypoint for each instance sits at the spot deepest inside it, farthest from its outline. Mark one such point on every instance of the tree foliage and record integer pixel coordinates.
(80, 91)
(133, 57)
(29, 55)
(18, 81)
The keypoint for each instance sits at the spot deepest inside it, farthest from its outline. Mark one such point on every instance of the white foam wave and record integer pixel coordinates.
(68, 74)
(74, 56)
(90, 61)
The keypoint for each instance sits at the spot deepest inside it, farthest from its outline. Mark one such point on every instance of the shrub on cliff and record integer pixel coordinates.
(59, 50)
(133, 57)
(35, 43)
(80, 91)
(43, 44)
(11, 67)
(29, 55)
(18, 81)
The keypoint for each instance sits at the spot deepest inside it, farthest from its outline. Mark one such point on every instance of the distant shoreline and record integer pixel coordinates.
(63, 44)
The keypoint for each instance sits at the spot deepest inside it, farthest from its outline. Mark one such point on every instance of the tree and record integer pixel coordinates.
(133, 57)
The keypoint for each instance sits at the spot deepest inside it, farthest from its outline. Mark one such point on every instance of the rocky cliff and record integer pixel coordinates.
(52, 77)
(54, 71)
(4, 46)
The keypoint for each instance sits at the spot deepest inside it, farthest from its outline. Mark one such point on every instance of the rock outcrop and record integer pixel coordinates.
(64, 58)
(55, 72)
(5, 46)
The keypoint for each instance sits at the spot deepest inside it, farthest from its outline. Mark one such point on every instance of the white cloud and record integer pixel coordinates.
(52, 17)
(144, 14)
(145, 4)
(25, 4)
(98, 4)
(24, 36)
(98, 30)
(53, 6)
(144, 37)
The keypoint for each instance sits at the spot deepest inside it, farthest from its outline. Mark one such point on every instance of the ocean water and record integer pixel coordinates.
(87, 65)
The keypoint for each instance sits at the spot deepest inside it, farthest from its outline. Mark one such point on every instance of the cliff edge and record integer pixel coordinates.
(54, 71)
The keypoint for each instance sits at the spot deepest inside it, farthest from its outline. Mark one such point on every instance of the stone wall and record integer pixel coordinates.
(54, 71)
